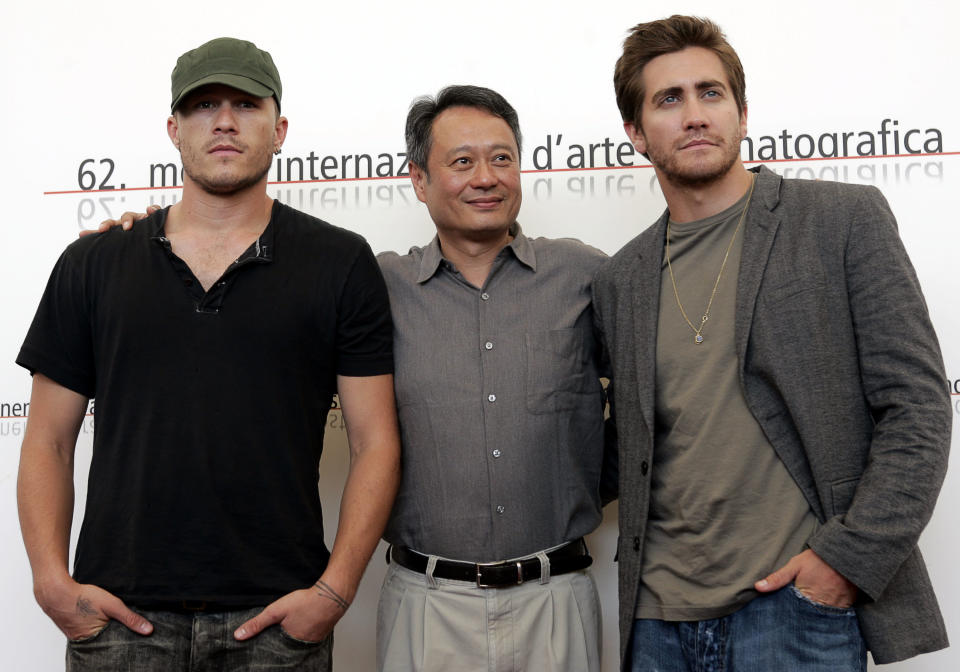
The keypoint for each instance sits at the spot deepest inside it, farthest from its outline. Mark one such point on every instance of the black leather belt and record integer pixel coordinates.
(568, 558)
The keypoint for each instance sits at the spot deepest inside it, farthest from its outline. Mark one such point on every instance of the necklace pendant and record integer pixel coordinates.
(698, 339)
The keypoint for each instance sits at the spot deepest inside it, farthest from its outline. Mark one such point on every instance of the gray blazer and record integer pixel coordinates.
(840, 366)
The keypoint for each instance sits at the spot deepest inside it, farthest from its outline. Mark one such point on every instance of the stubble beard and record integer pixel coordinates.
(673, 169)
(221, 183)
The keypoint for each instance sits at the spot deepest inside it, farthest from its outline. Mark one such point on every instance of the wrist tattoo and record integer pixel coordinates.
(324, 590)
(84, 607)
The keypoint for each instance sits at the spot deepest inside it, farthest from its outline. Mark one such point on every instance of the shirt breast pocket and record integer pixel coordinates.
(557, 370)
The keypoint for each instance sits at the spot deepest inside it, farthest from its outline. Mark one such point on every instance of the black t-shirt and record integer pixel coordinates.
(211, 406)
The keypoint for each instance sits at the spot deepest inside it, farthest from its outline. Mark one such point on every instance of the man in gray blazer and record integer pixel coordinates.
(783, 423)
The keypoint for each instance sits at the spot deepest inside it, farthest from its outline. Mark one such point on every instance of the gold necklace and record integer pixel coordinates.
(698, 336)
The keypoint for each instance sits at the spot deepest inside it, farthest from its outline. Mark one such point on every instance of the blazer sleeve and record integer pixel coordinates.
(902, 377)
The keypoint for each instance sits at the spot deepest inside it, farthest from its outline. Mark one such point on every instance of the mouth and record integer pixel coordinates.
(697, 143)
(485, 202)
(224, 150)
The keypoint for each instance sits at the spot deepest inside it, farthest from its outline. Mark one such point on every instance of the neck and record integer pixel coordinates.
(688, 203)
(202, 212)
(473, 258)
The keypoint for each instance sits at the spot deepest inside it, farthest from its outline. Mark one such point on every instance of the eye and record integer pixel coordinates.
(669, 100)
(711, 93)
(462, 161)
(204, 105)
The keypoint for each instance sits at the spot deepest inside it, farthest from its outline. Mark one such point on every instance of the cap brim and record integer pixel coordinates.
(245, 84)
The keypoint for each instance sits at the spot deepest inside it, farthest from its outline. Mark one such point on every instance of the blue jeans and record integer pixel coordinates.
(198, 642)
(780, 632)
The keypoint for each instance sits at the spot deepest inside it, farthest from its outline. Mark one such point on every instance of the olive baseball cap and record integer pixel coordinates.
(228, 61)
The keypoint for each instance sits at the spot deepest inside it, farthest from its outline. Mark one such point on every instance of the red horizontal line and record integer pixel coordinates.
(573, 170)
(180, 186)
(346, 179)
(89, 415)
(841, 158)
(24, 417)
(525, 172)
(108, 191)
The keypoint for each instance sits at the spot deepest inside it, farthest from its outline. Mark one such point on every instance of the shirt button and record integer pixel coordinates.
(491, 398)
(484, 296)
(500, 509)
(488, 345)
(496, 452)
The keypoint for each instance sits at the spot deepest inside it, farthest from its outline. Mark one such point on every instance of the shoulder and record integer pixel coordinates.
(400, 262)
(839, 198)
(395, 262)
(568, 249)
(400, 267)
(114, 243)
(568, 255)
(298, 223)
(834, 213)
(313, 235)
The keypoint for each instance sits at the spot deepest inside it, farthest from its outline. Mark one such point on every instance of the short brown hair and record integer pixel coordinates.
(666, 36)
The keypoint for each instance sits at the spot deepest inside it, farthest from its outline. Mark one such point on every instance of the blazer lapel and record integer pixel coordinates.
(758, 236)
(645, 296)
(759, 233)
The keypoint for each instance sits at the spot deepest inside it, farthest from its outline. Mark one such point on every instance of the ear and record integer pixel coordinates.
(743, 123)
(280, 132)
(419, 178)
(173, 130)
(636, 136)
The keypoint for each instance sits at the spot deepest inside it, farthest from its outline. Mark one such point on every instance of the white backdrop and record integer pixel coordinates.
(91, 81)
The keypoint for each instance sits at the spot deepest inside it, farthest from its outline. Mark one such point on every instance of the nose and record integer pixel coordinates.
(225, 120)
(694, 116)
(484, 176)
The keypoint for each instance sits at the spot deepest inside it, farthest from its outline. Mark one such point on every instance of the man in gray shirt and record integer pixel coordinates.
(501, 415)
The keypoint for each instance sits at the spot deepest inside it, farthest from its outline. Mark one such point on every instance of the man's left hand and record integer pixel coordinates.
(814, 578)
(307, 615)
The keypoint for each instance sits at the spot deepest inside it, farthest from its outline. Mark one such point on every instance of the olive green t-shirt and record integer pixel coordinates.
(724, 512)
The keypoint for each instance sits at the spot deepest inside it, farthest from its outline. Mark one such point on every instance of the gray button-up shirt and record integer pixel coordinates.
(500, 404)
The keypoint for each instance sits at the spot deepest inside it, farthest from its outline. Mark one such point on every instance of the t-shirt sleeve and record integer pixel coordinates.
(59, 343)
(364, 325)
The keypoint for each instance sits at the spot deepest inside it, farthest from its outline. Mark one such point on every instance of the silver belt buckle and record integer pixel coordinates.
(481, 565)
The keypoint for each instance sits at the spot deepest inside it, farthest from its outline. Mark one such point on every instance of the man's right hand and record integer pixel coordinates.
(125, 222)
(83, 610)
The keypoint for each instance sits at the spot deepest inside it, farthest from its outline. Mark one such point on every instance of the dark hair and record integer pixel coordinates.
(666, 36)
(424, 110)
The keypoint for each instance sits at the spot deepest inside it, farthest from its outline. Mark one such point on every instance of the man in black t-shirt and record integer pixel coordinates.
(213, 363)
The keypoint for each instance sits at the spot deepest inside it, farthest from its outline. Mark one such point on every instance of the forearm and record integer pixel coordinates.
(368, 495)
(45, 482)
(45, 500)
(311, 613)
